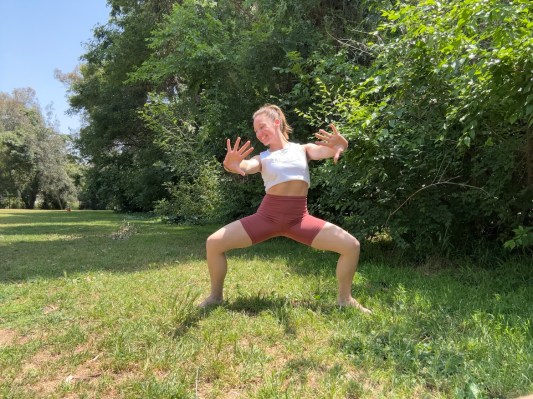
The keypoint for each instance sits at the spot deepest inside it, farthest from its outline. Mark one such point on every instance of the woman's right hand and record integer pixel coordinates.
(235, 155)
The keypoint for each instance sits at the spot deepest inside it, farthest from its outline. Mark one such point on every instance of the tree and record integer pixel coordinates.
(114, 140)
(33, 157)
(213, 63)
(441, 122)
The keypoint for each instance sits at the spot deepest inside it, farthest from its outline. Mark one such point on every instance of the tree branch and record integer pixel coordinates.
(432, 185)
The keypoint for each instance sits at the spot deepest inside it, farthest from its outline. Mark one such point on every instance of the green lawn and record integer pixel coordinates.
(102, 305)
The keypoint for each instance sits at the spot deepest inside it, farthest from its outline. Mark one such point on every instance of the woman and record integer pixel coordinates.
(283, 211)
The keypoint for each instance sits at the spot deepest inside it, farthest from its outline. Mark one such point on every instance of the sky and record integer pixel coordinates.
(39, 36)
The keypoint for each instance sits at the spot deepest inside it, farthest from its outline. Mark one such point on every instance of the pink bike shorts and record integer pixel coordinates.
(282, 216)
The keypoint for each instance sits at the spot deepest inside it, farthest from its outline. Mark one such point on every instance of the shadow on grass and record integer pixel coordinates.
(51, 244)
(190, 320)
(187, 317)
(281, 308)
(79, 242)
(61, 243)
(250, 305)
(49, 259)
(300, 258)
(431, 291)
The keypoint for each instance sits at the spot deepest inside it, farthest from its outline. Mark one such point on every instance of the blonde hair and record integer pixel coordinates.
(275, 112)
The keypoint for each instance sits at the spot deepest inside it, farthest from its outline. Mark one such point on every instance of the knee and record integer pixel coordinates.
(349, 246)
(211, 243)
(353, 245)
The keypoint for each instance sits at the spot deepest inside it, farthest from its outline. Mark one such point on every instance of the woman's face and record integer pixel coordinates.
(266, 129)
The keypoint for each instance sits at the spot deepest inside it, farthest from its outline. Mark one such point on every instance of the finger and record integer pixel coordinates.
(334, 128)
(248, 152)
(337, 155)
(322, 137)
(244, 147)
(240, 171)
(228, 145)
(237, 143)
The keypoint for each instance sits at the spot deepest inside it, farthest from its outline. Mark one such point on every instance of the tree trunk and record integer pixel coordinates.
(59, 202)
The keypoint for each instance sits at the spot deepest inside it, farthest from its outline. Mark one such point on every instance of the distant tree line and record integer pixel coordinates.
(35, 161)
(436, 99)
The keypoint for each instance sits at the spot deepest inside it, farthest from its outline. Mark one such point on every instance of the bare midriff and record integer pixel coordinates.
(293, 188)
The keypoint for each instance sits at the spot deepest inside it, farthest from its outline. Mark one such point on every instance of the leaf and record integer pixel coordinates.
(509, 244)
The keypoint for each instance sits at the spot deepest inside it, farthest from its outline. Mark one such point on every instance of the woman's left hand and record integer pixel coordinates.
(334, 140)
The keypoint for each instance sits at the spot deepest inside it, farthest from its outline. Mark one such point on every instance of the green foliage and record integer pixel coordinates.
(126, 173)
(197, 200)
(207, 67)
(435, 97)
(523, 238)
(128, 182)
(213, 64)
(34, 159)
(439, 127)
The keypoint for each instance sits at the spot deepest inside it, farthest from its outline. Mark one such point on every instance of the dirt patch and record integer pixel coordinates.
(7, 337)
(40, 361)
(11, 337)
(43, 372)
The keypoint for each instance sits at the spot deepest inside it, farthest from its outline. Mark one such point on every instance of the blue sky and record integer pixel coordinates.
(39, 36)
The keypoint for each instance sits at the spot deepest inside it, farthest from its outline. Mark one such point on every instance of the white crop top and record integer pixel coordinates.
(289, 163)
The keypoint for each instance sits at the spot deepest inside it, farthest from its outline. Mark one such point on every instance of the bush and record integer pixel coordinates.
(197, 200)
(439, 125)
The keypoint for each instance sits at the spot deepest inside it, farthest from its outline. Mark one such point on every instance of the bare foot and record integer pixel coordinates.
(354, 304)
(210, 301)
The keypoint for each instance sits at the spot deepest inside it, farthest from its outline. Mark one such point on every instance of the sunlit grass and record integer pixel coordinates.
(103, 305)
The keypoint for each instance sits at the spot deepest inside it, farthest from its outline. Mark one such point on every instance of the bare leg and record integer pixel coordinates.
(228, 237)
(333, 238)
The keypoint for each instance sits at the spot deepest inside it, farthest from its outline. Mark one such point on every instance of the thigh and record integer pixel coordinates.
(260, 227)
(333, 238)
(229, 237)
(306, 230)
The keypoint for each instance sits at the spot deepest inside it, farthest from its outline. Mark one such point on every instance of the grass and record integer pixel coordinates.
(102, 305)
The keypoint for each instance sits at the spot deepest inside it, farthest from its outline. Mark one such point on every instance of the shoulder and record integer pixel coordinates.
(297, 147)
(309, 147)
(304, 147)
(315, 152)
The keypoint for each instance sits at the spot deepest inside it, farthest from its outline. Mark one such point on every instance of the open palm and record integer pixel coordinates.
(235, 155)
(333, 140)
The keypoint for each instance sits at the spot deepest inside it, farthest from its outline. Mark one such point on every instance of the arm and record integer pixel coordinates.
(328, 146)
(235, 161)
